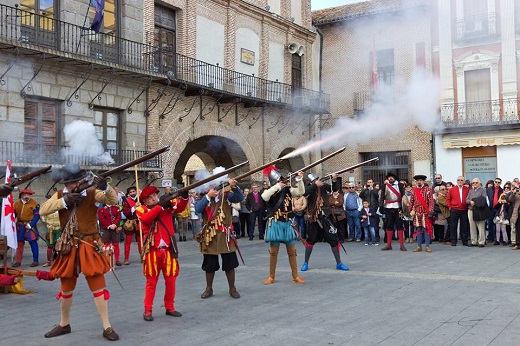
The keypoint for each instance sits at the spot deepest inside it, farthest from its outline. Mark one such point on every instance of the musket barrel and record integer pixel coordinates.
(24, 178)
(315, 163)
(242, 176)
(350, 168)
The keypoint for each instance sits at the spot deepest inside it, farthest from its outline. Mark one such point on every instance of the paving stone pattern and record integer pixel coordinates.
(452, 296)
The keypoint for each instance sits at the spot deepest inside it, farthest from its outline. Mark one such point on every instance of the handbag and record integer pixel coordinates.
(497, 219)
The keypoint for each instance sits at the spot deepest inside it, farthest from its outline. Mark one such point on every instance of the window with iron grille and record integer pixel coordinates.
(385, 67)
(397, 162)
(37, 21)
(164, 38)
(106, 123)
(104, 45)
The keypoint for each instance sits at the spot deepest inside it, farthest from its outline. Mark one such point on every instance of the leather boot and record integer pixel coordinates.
(209, 285)
(273, 258)
(231, 282)
(291, 253)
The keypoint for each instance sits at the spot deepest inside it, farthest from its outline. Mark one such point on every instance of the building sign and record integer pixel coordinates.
(484, 168)
(166, 182)
(247, 56)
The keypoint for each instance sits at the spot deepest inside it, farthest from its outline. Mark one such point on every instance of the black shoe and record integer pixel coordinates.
(480, 245)
(453, 244)
(147, 316)
(261, 237)
(58, 330)
(183, 238)
(109, 334)
(250, 238)
(173, 313)
(496, 243)
(465, 244)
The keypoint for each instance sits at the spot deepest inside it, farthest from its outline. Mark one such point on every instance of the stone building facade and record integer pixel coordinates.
(398, 34)
(234, 94)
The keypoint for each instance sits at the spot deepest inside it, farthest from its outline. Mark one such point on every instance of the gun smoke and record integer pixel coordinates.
(393, 110)
(84, 144)
(204, 173)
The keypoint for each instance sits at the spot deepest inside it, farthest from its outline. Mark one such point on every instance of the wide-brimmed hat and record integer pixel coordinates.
(130, 188)
(147, 192)
(419, 177)
(390, 174)
(70, 173)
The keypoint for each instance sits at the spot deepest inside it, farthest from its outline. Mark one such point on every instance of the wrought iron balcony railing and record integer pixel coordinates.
(38, 32)
(362, 100)
(494, 112)
(28, 154)
(476, 27)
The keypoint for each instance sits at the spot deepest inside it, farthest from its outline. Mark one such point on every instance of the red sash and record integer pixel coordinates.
(427, 221)
(396, 192)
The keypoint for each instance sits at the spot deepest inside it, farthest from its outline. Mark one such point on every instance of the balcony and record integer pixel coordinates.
(29, 33)
(476, 28)
(362, 101)
(481, 113)
(38, 155)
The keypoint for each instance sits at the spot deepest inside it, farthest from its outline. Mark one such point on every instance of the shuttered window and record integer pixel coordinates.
(41, 123)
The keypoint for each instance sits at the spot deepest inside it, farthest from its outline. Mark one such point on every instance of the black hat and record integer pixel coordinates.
(70, 173)
(419, 177)
(390, 174)
(130, 188)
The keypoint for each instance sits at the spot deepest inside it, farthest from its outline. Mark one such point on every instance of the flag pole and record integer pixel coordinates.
(83, 27)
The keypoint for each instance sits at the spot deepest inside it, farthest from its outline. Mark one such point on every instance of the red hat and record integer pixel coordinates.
(27, 191)
(147, 192)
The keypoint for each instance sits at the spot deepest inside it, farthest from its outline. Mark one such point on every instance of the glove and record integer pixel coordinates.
(165, 201)
(101, 183)
(5, 190)
(72, 199)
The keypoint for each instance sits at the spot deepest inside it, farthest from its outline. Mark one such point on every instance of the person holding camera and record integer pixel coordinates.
(159, 249)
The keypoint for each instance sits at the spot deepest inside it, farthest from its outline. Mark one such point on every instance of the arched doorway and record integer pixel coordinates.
(211, 151)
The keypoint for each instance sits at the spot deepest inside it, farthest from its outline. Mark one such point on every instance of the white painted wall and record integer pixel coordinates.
(275, 69)
(210, 48)
(275, 6)
(248, 39)
(448, 162)
(296, 11)
(508, 163)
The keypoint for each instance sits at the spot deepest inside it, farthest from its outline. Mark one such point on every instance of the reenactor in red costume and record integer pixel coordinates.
(159, 249)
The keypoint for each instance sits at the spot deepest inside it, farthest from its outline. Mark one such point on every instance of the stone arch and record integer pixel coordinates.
(221, 150)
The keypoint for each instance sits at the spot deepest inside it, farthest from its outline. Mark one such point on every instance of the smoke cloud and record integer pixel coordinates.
(393, 110)
(204, 173)
(84, 144)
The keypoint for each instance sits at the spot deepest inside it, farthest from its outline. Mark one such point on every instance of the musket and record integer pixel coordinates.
(315, 163)
(15, 181)
(122, 167)
(242, 176)
(207, 180)
(341, 171)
